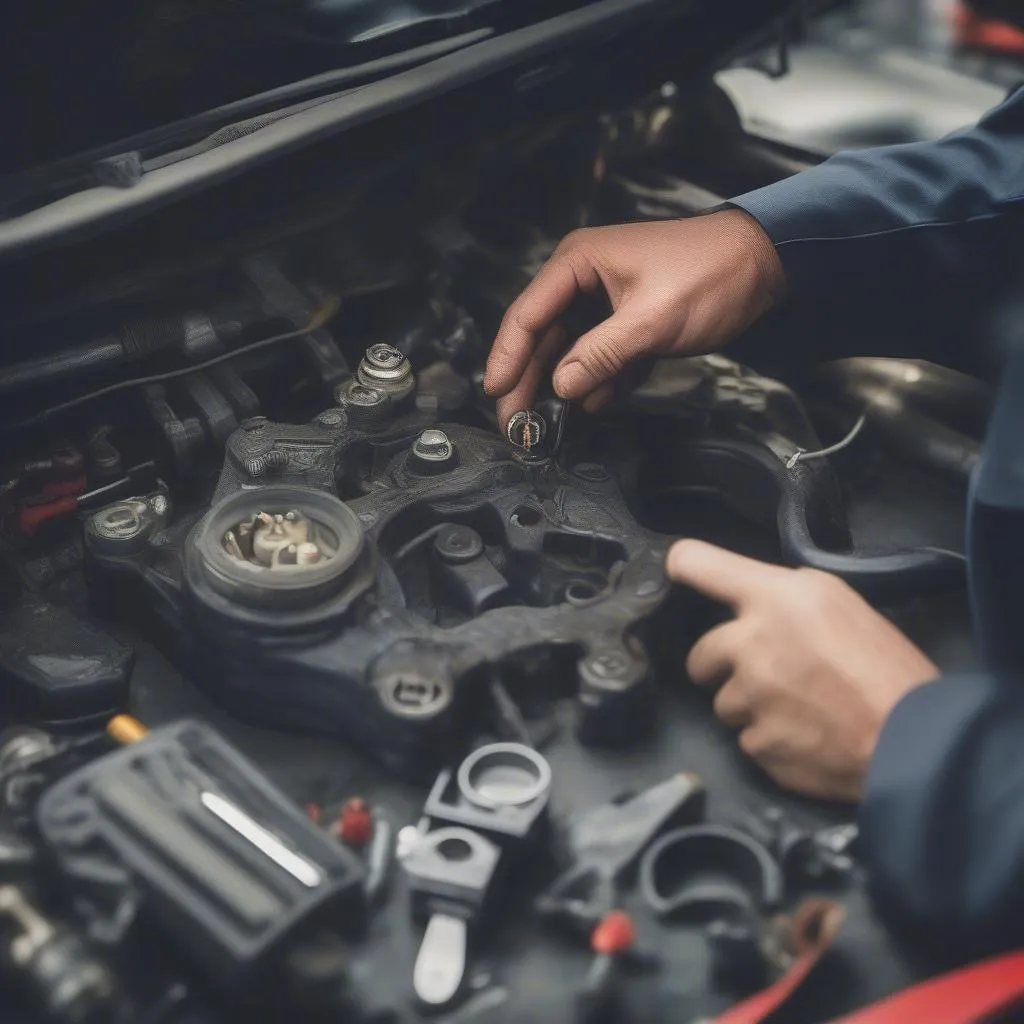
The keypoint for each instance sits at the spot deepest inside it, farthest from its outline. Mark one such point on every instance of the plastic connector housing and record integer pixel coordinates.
(182, 830)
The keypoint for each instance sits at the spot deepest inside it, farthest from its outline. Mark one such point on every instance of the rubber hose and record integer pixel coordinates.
(134, 341)
(880, 576)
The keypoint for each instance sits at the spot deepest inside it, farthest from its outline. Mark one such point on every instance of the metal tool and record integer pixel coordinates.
(607, 840)
(450, 872)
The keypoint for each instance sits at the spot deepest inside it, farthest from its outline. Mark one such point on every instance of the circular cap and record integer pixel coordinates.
(504, 775)
(458, 544)
(433, 448)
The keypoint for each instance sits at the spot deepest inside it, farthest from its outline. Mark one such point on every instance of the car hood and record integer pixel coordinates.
(130, 97)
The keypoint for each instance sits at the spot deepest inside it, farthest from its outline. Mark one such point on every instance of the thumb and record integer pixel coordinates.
(601, 353)
(724, 576)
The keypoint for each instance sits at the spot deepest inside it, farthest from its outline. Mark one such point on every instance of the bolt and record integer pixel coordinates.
(386, 369)
(458, 545)
(386, 357)
(433, 446)
(330, 418)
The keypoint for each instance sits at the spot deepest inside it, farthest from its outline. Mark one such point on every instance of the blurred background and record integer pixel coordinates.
(885, 71)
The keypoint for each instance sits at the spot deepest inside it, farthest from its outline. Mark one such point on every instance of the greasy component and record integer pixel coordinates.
(279, 548)
(465, 797)
(386, 369)
(181, 830)
(606, 841)
(66, 980)
(358, 661)
(128, 524)
(364, 404)
(707, 871)
(526, 430)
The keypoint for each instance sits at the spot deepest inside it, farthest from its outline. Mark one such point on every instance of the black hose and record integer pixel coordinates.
(134, 341)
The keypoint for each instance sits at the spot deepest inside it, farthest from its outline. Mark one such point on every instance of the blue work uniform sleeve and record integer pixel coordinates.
(942, 821)
(894, 251)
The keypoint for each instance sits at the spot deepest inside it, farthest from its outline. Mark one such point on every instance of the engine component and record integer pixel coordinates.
(451, 872)
(386, 369)
(563, 558)
(706, 871)
(67, 981)
(181, 829)
(754, 428)
(526, 430)
(808, 859)
(606, 841)
(500, 790)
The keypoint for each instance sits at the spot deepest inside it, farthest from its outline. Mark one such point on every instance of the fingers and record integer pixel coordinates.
(600, 354)
(546, 297)
(722, 575)
(732, 706)
(713, 657)
(522, 395)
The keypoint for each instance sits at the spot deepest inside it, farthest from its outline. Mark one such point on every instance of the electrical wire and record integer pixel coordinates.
(321, 317)
(801, 455)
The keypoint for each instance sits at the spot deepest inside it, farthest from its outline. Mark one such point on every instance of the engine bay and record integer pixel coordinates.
(271, 469)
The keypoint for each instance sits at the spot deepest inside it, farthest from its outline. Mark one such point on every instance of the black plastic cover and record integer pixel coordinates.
(180, 828)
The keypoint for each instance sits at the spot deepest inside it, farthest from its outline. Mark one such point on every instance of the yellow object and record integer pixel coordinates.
(124, 729)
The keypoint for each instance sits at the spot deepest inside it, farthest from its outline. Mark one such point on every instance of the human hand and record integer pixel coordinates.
(808, 671)
(685, 286)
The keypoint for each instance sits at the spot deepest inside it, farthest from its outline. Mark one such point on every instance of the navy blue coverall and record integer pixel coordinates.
(897, 250)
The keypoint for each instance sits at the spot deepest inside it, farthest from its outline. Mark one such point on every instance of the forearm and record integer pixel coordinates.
(942, 820)
(897, 249)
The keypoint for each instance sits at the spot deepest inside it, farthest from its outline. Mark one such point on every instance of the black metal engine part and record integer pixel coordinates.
(297, 608)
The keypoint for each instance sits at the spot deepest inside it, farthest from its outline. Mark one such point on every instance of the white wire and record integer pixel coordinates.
(801, 455)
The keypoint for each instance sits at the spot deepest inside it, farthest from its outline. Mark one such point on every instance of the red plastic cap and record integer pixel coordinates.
(355, 826)
(615, 934)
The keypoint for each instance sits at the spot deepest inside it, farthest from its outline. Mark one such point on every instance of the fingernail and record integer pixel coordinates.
(571, 380)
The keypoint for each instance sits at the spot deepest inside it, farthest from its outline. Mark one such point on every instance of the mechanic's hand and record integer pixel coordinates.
(808, 670)
(685, 286)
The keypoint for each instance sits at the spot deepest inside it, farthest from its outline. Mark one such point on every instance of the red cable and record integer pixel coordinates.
(966, 996)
